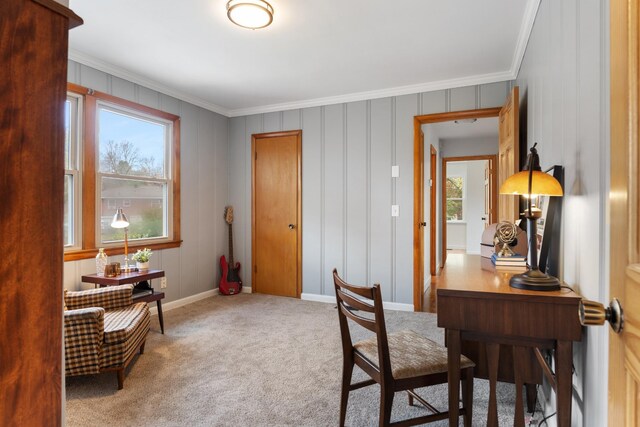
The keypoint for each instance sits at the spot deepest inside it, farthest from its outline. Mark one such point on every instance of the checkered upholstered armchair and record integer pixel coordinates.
(103, 330)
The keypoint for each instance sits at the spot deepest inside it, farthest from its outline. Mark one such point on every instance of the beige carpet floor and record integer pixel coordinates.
(251, 360)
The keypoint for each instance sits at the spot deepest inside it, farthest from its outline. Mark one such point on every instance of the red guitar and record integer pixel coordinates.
(230, 282)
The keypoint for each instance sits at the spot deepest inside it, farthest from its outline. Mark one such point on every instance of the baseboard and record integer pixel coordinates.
(332, 300)
(191, 299)
(184, 301)
(456, 247)
(473, 252)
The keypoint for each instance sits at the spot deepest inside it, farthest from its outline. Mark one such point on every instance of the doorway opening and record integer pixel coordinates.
(425, 136)
(469, 201)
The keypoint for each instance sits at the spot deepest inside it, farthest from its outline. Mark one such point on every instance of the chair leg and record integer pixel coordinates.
(386, 403)
(467, 396)
(347, 371)
(410, 398)
(142, 347)
(120, 373)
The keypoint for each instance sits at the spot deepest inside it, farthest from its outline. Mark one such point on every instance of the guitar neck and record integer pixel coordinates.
(231, 246)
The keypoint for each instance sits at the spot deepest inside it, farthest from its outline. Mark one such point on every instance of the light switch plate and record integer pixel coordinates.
(163, 282)
(395, 171)
(395, 210)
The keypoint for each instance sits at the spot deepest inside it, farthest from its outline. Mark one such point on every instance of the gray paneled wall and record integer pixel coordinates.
(347, 189)
(564, 89)
(192, 268)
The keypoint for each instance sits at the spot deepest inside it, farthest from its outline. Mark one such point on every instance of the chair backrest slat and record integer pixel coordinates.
(358, 290)
(362, 321)
(354, 302)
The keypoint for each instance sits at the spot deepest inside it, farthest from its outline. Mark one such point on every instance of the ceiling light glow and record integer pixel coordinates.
(252, 14)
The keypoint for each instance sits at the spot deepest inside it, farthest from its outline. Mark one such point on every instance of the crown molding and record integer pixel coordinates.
(98, 64)
(375, 94)
(511, 74)
(528, 20)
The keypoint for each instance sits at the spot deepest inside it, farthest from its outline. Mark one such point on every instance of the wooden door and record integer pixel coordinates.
(487, 195)
(624, 349)
(276, 203)
(508, 154)
(432, 211)
(421, 225)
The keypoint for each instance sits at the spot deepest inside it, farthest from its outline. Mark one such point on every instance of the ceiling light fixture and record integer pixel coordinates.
(252, 14)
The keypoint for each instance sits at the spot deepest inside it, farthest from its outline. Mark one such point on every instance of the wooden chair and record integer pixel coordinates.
(399, 361)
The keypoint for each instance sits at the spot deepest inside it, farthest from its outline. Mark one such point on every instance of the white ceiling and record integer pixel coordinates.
(316, 51)
(482, 128)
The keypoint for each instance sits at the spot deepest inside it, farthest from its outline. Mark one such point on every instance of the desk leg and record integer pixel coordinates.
(453, 353)
(493, 357)
(564, 362)
(160, 316)
(519, 356)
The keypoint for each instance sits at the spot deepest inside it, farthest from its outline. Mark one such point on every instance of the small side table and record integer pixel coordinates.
(133, 277)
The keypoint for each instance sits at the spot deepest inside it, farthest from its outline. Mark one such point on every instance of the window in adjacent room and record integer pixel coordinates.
(455, 197)
(71, 230)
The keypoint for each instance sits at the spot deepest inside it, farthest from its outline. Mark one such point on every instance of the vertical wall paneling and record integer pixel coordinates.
(381, 247)
(239, 161)
(334, 189)
(356, 193)
(463, 98)
(564, 94)
(314, 269)
(272, 122)
(406, 109)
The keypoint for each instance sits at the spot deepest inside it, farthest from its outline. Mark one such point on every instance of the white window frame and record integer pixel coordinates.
(75, 153)
(463, 199)
(168, 179)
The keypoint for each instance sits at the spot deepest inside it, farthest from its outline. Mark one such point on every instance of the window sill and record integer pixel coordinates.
(118, 250)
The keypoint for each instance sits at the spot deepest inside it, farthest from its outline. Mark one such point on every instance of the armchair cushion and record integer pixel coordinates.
(125, 330)
(83, 336)
(109, 298)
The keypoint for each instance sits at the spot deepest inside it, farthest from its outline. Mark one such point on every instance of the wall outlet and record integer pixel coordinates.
(395, 171)
(395, 210)
(163, 282)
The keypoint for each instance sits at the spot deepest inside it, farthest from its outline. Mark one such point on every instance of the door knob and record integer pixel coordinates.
(291, 226)
(423, 224)
(593, 313)
(484, 218)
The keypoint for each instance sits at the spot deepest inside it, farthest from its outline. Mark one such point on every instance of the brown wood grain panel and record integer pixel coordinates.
(33, 54)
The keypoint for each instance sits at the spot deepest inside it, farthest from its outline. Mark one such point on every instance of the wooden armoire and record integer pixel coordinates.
(33, 79)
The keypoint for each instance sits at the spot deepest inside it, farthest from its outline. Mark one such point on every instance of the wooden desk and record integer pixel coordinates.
(133, 277)
(476, 303)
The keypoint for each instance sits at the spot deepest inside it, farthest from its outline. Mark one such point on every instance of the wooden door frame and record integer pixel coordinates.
(493, 209)
(418, 184)
(298, 135)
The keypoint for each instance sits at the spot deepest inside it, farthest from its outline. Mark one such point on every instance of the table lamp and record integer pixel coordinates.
(532, 182)
(120, 220)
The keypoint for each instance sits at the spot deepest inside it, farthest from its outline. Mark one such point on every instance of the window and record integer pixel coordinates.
(455, 197)
(131, 161)
(72, 132)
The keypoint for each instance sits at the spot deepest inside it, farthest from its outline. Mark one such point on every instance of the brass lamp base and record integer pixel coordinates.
(535, 280)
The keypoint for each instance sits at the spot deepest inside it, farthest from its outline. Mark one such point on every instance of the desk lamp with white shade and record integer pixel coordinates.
(120, 220)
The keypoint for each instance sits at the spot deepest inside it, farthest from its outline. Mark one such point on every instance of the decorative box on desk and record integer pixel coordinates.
(476, 303)
(139, 295)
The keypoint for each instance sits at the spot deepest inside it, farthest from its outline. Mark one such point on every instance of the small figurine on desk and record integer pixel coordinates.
(506, 233)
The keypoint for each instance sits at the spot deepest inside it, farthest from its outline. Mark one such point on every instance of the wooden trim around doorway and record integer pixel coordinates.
(493, 210)
(418, 185)
(298, 134)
